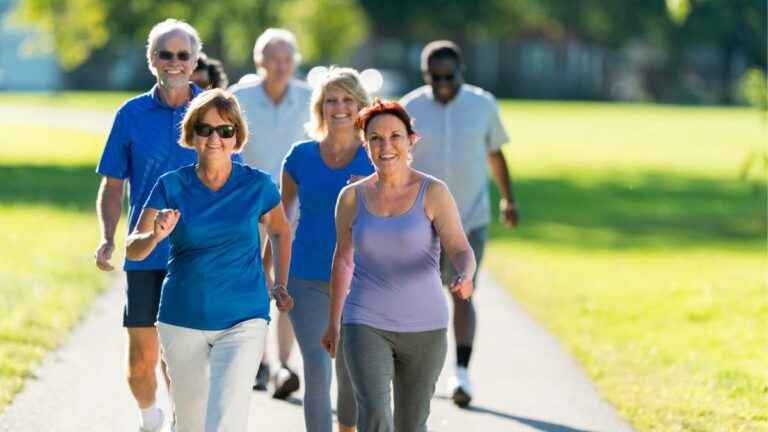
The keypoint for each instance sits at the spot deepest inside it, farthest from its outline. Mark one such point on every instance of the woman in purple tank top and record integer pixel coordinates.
(385, 280)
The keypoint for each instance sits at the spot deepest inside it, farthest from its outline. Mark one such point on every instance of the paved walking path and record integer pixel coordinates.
(523, 379)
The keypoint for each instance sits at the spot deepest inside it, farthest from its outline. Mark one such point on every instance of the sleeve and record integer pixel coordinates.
(496, 135)
(116, 158)
(158, 198)
(291, 162)
(270, 195)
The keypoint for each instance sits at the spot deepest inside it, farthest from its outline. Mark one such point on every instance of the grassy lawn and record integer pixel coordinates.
(48, 233)
(97, 101)
(645, 252)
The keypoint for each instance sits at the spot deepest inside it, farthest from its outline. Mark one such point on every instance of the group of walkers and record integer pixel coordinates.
(339, 208)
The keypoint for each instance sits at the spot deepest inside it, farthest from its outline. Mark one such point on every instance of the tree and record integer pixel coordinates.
(71, 28)
(327, 30)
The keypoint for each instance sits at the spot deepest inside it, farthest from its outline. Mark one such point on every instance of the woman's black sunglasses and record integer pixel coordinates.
(205, 130)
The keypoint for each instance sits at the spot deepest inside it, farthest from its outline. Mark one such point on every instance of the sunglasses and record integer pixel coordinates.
(205, 130)
(438, 77)
(168, 55)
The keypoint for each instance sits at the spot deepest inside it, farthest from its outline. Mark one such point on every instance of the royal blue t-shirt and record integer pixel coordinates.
(142, 146)
(215, 277)
(318, 189)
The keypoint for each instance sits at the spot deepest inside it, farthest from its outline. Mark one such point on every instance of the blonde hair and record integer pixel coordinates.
(166, 28)
(225, 103)
(345, 79)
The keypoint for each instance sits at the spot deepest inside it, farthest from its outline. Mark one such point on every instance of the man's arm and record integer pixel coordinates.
(109, 206)
(500, 172)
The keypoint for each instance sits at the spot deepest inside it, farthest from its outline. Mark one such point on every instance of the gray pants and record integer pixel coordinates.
(310, 319)
(411, 361)
(211, 372)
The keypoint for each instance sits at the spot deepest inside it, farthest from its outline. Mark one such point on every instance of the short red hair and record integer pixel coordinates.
(379, 107)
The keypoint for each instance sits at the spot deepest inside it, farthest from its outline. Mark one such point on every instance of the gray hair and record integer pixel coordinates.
(273, 35)
(164, 29)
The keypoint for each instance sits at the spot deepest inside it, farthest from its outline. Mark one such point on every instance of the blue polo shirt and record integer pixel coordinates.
(215, 276)
(318, 190)
(142, 146)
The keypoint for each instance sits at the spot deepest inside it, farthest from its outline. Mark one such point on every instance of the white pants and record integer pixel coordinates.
(212, 373)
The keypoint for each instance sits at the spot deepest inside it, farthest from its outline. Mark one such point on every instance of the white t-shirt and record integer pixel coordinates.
(455, 141)
(273, 129)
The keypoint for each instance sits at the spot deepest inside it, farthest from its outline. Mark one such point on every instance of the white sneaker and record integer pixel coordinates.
(461, 388)
(159, 426)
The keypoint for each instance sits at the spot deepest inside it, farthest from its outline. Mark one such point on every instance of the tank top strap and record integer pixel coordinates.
(425, 182)
(359, 204)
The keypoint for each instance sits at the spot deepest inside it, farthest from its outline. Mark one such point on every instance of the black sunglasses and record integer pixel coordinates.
(168, 55)
(205, 130)
(446, 77)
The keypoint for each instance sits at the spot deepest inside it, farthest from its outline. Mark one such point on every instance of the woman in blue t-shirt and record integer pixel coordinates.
(313, 174)
(214, 305)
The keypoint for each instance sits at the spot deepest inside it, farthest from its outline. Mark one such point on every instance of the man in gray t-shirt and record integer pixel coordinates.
(461, 139)
(276, 108)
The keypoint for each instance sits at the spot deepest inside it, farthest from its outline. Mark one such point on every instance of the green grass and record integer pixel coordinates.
(49, 230)
(641, 247)
(86, 100)
(644, 250)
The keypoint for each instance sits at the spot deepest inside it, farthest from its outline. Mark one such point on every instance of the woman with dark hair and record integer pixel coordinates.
(209, 73)
(386, 277)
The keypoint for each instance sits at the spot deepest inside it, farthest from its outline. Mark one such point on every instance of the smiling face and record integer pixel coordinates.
(174, 73)
(388, 143)
(214, 146)
(340, 110)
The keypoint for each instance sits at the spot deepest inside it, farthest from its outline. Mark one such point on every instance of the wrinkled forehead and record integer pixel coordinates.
(177, 39)
(277, 49)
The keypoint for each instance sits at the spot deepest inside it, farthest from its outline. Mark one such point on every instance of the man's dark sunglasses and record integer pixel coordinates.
(168, 55)
(438, 77)
(224, 131)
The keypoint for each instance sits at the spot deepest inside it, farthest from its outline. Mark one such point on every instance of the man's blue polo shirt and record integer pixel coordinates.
(142, 146)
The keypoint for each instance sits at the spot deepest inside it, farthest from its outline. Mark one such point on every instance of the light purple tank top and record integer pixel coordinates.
(396, 283)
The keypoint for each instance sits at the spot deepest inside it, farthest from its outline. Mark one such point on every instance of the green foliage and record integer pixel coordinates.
(753, 88)
(327, 30)
(678, 10)
(76, 27)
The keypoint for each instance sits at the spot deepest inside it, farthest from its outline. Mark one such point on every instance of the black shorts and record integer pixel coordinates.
(142, 297)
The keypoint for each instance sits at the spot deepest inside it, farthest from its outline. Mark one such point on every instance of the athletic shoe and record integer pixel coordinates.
(262, 378)
(286, 382)
(159, 424)
(462, 389)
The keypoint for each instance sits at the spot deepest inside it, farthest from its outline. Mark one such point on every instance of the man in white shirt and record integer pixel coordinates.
(461, 139)
(276, 108)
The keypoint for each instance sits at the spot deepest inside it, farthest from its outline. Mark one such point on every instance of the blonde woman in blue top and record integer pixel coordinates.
(313, 174)
(214, 305)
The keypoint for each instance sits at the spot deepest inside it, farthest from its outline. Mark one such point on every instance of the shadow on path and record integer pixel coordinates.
(536, 424)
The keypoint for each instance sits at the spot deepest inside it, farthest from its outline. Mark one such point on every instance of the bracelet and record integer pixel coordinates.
(275, 287)
(506, 204)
